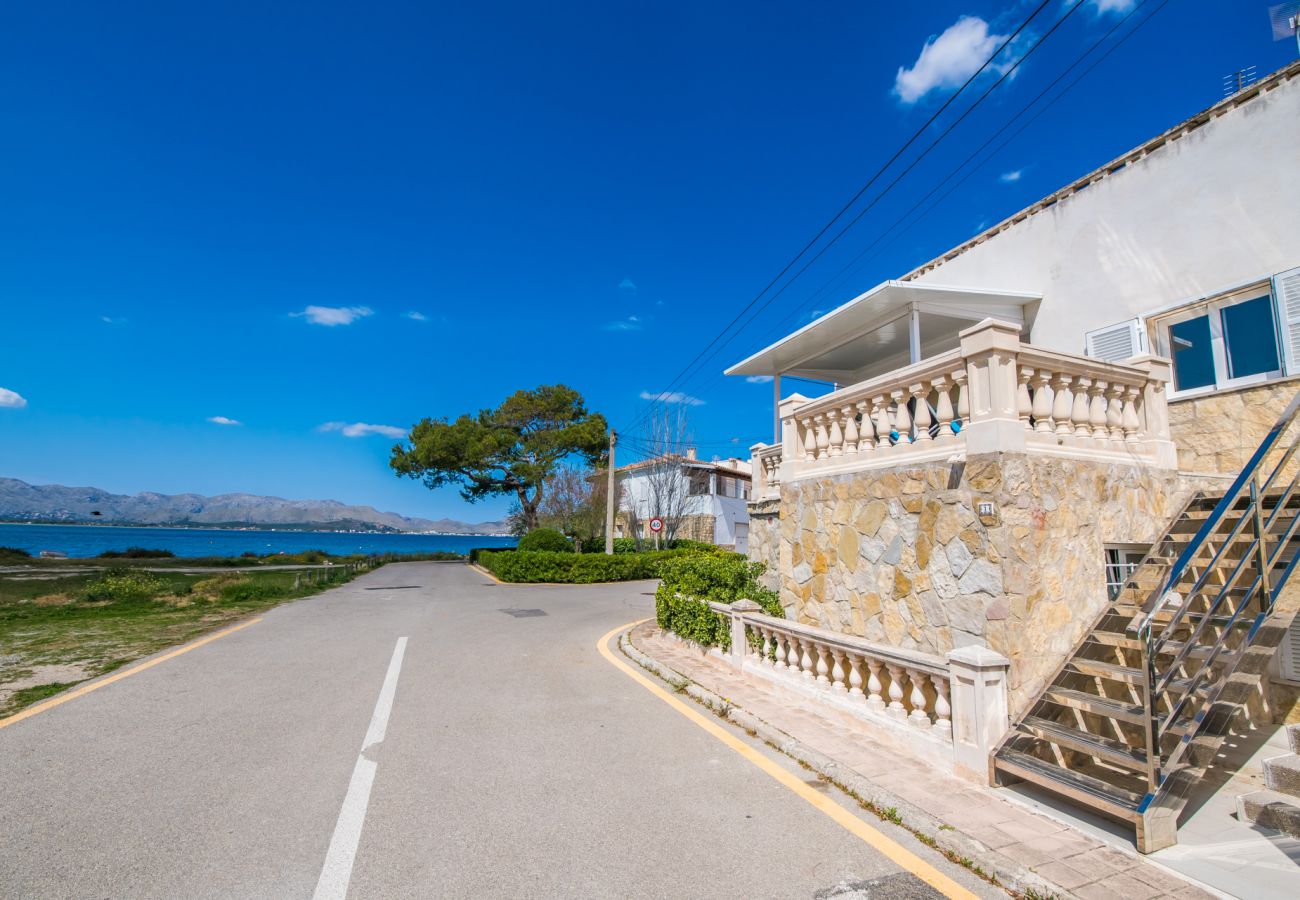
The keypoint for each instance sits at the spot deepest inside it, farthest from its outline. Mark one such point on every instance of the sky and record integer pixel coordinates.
(246, 249)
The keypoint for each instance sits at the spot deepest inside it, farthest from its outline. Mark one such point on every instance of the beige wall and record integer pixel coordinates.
(1200, 214)
(1218, 432)
(897, 556)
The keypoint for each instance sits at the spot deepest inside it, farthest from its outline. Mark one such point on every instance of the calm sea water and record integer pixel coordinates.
(91, 540)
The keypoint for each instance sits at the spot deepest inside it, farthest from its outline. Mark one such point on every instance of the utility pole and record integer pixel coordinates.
(609, 497)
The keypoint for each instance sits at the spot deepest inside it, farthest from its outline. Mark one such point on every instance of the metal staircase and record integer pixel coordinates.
(1129, 722)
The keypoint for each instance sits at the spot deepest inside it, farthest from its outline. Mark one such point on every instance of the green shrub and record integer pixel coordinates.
(545, 539)
(621, 545)
(119, 585)
(254, 588)
(690, 581)
(14, 553)
(574, 568)
(476, 554)
(137, 553)
(688, 544)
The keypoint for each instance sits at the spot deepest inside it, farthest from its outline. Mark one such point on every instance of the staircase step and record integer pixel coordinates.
(1111, 751)
(1282, 774)
(1091, 703)
(1269, 809)
(1115, 639)
(1293, 737)
(1109, 671)
(1085, 789)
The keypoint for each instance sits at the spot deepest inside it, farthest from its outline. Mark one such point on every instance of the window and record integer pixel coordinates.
(699, 483)
(1120, 564)
(1225, 342)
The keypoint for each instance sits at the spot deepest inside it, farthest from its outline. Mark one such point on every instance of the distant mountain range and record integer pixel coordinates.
(23, 502)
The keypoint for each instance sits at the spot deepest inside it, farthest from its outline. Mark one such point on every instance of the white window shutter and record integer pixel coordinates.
(1286, 290)
(1115, 343)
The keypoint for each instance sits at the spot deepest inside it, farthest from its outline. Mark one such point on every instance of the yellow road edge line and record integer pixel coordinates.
(897, 853)
(118, 676)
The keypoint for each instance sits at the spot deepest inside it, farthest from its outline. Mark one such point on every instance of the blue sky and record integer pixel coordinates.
(240, 250)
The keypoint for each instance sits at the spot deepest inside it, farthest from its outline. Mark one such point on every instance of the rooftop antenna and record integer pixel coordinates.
(1285, 19)
(1238, 81)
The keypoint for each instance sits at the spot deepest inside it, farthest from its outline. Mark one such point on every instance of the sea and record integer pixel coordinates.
(92, 540)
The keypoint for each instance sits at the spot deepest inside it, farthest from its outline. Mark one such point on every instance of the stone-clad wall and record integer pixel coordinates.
(1218, 432)
(900, 557)
(765, 539)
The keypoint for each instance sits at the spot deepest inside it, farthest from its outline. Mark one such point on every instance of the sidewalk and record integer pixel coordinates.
(1026, 850)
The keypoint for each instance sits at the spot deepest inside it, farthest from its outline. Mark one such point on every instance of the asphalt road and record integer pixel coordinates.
(504, 757)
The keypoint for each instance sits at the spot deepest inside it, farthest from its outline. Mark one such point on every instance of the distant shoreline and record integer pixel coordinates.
(254, 528)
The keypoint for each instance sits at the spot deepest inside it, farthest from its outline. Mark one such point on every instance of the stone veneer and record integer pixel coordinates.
(765, 539)
(1218, 432)
(900, 555)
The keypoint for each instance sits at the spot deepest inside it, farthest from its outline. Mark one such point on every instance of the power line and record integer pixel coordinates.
(879, 172)
(702, 357)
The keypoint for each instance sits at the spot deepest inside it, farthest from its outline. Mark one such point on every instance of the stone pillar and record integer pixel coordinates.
(978, 691)
(1154, 427)
(990, 350)
(739, 644)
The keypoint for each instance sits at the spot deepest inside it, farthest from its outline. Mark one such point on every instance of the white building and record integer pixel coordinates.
(714, 499)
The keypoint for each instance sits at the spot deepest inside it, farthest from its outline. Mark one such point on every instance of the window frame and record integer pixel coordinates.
(1212, 308)
(1127, 557)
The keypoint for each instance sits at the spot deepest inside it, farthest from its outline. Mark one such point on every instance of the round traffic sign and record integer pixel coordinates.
(656, 525)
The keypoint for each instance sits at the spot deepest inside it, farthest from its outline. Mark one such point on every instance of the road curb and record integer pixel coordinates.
(1012, 876)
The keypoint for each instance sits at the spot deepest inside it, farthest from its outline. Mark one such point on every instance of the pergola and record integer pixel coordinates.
(893, 325)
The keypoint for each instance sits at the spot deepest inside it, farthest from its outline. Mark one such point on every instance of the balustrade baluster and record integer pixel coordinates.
(880, 412)
(836, 433)
(782, 645)
(896, 707)
(1097, 410)
(823, 669)
(1042, 408)
(942, 708)
(1024, 404)
(855, 675)
(849, 415)
(1062, 403)
(765, 653)
(809, 439)
(919, 716)
(866, 433)
(1115, 413)
(1132, 422)
(921, 401)
(943, 408)
(823, 436)
(902, 418)
(837, 670)
(805, 659)
(1079, 415)
(873, 684)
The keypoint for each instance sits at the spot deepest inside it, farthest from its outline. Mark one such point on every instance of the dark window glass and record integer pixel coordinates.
(1189, 344)
(1250, 338)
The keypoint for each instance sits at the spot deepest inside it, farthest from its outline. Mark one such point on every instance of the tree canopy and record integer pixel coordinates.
(510, 450)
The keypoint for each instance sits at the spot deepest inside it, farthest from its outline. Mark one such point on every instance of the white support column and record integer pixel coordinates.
(914, 334)
(776, 408)
(978, 680)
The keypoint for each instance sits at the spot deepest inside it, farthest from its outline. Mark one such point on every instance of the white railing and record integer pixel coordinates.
(956, 706)
(767, 471)
(991, 394)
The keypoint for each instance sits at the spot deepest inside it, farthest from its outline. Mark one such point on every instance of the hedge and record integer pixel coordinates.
(574, 568)
(689, 582)
(545, 539)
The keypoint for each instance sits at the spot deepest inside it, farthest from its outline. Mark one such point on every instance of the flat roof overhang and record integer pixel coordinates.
(884, 329)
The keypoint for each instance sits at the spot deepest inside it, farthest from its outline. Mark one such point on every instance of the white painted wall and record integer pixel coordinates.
(726, 511)
(1208, 211)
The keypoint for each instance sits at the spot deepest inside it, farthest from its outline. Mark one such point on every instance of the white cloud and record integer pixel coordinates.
(631, 323)
(673, 397)
(627, 284)
(362, 429)
(948, 60)
(417, 316)
(759, 379)
(11, 399)
(334, 315)
(110, 320)
(223, 420)
(1013, 175)
(1101, 7)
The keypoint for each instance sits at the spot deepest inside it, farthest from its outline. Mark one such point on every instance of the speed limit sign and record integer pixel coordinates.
(656, 525)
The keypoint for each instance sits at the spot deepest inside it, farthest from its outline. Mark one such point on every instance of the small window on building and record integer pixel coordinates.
(1225, 342)
(699, 483)
(1120, 563)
